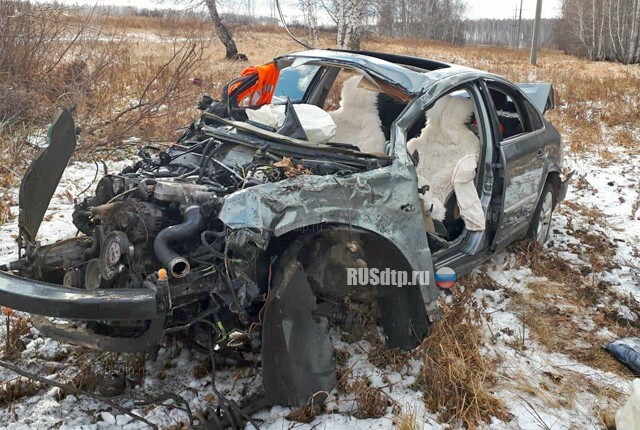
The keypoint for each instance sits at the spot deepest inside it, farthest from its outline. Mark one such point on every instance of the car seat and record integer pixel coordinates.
(447, 157)
(508, 119)
(357, 118)
(389, 109)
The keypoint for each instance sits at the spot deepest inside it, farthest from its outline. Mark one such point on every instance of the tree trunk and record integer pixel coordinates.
(341, 30)
(223, 32)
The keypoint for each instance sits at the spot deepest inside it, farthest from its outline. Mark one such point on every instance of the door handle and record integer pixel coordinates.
(540, 153)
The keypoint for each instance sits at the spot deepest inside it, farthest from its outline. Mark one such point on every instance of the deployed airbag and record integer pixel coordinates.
(317, 124)
(464, 175)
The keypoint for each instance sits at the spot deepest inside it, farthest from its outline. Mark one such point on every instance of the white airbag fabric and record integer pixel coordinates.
(317, 124)
(464, 175)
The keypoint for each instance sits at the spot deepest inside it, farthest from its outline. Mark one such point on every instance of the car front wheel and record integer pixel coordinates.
(541, 222)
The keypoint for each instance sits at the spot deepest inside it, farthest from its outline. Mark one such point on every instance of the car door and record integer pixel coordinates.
(522, 151)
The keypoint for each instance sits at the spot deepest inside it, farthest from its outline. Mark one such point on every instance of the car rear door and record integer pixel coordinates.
(519, 136)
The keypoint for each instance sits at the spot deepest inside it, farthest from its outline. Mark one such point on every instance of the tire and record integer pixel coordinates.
(541, 221)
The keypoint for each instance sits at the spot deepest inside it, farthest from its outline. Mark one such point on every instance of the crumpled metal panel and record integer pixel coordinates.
(411, 81)
(383, 201)
(44, 173)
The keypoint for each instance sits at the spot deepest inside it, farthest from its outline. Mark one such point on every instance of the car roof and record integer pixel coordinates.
(412, 74)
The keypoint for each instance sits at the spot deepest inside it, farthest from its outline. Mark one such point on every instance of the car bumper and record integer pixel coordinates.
(41, 298)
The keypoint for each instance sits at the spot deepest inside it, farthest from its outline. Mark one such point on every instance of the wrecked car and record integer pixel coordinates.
(240, 234)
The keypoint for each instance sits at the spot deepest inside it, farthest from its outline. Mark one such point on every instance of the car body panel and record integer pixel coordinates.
(53, 300)
(364, 200)
(524, 160)
(540, 94)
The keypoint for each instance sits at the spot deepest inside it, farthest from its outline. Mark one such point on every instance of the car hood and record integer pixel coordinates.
(44, 173)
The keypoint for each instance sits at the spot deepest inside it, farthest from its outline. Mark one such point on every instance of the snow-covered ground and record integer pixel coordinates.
(560, 381)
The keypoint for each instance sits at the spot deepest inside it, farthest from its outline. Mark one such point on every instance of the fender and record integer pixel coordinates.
(382, 201)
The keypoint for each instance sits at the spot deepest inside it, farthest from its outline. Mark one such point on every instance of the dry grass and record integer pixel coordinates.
(456, 377)
(372, 401)
(566, 314)
(16, 327)
(18, 388)
(305, 414)
(406, 421)
(383, 357)
(607, 418)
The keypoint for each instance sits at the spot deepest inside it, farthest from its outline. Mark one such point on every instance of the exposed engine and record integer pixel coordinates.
(161, 213)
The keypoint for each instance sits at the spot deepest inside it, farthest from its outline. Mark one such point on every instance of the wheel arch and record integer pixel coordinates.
(553, 178)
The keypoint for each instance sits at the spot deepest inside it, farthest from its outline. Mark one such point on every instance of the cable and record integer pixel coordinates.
(224, 403)
(284, 24)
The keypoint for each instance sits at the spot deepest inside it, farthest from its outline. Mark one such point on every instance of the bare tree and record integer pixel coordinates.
(310, 15)
(223, 32)
(350, 17)
(432, 19)
(493, 32)
(602, 30)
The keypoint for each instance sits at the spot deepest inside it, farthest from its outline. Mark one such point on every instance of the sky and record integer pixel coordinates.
(477, 8)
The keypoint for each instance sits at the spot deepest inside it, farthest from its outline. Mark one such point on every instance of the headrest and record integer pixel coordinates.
(354, 97)
(450, 111)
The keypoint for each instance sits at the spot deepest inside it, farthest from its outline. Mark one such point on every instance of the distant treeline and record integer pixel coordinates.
(598, 30)
(507, 32)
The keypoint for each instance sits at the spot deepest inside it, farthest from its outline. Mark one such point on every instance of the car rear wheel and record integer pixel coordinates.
(541, 222)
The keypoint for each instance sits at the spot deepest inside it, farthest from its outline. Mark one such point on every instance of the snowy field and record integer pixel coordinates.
(582, 286)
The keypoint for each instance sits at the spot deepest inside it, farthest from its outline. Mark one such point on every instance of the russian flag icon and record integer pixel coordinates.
(446, 278)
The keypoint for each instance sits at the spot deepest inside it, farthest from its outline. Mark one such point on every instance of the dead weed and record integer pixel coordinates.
(16, 327)
(17, 388)
(455, 375)
(372, 401)
(383, 357)
(305, 414)
(566, 312)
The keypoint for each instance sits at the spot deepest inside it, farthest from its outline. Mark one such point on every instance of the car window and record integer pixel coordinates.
(293, 83)
(509, 117)
(535, 120)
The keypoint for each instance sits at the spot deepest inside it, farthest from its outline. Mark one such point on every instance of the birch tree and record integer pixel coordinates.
(350, 17)
(310, 15)
(603, 29)
(223, 32)
(431, 19)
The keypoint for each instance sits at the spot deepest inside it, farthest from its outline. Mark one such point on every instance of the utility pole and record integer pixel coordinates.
(519, 23)
(536, 33)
